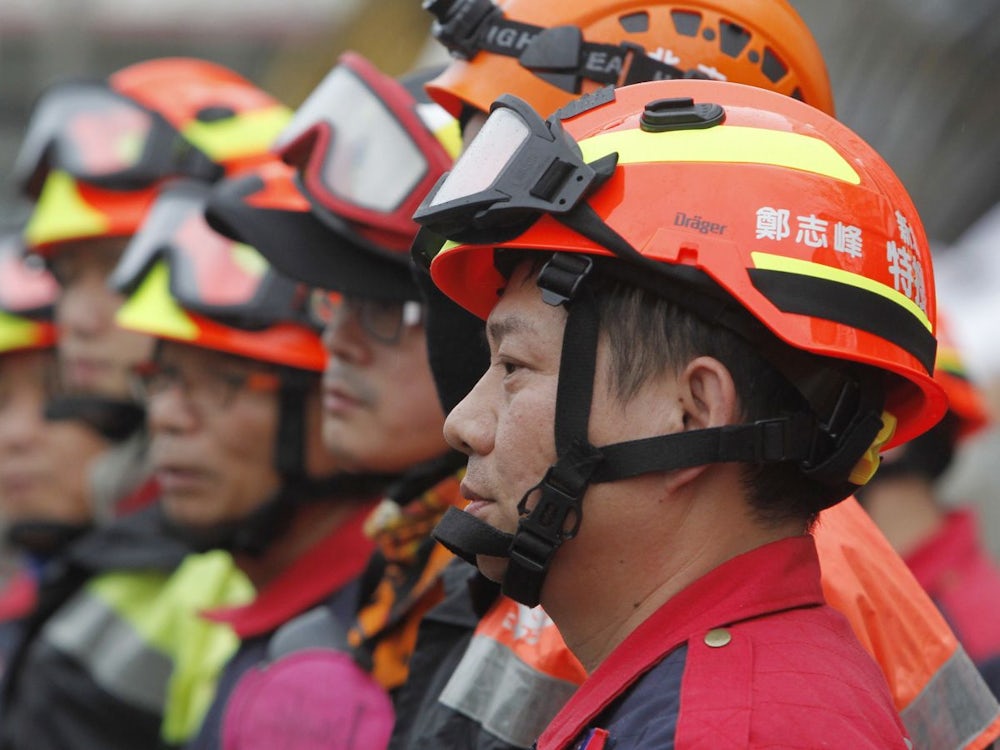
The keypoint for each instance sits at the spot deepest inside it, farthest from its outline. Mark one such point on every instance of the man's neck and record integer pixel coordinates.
(312, 522)
(680, 541)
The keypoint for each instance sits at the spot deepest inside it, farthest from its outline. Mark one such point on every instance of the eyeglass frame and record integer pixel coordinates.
(228, 384)
(328, 309)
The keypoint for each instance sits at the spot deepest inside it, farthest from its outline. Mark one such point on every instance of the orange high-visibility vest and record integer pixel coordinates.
(938, 691)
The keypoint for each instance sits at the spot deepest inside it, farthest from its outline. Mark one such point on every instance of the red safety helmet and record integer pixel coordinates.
(749, 208)
(95, 151)
(549, 52)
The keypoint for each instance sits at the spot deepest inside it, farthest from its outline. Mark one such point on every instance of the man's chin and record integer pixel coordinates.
(493, 568)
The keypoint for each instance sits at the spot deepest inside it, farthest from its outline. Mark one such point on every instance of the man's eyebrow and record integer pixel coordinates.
(496, 329)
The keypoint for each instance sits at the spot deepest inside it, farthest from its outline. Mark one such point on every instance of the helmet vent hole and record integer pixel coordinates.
(635, 23)
(772, 66)
(797, 94)
(214, 114)
(685, 22)
(733, 39)
(753, 56)
(709, 34)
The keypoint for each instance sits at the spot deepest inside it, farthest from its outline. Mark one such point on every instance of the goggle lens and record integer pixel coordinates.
(208, 272)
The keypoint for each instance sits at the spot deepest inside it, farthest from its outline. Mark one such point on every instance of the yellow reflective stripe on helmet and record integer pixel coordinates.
(770, 262)
(151, 309)
(724, 143)
(444, 127)
(17, 333)
(949, 361)
(241, 135)
(62, 214)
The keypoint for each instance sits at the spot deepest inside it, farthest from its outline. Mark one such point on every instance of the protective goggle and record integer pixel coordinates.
(210, 274)
(364, 148)
(382, 320)
(517, 168)
(101, 137)
(558, 55)
(26, 288)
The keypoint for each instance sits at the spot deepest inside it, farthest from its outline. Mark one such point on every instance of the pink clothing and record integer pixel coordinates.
(964, 581)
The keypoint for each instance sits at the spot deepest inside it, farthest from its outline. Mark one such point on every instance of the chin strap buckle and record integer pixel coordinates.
(554, 519)
(561, 276)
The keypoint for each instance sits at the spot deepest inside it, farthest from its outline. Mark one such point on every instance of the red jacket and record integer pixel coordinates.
(747, 656)
(964, 581)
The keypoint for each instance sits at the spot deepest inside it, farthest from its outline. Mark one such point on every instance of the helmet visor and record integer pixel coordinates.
(364, 148)
(101, 137)
(209, 274)
(517, 168)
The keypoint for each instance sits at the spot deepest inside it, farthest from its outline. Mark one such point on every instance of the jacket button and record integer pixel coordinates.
(717, 637)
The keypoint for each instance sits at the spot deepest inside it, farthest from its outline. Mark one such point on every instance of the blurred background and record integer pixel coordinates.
(918, 79)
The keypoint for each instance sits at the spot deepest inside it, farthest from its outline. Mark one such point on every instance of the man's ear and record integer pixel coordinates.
(708, 394)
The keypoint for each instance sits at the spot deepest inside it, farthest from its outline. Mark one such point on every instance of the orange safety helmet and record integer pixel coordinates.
(549, 52)
(95, 152)
(750, 209)
(27, 294)
(785, 209)
(965, 401)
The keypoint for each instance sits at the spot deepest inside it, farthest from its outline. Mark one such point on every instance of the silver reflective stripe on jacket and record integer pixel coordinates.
(111, 650)
(953, 709)
(509, 698)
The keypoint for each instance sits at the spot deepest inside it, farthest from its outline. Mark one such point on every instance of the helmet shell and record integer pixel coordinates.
(965, 400)
(786, 210)
(231, 120)
(762, 43)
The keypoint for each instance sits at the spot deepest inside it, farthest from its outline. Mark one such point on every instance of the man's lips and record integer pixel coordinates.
(338, 400)
(180, 479)
(477, 502)
(81, 370)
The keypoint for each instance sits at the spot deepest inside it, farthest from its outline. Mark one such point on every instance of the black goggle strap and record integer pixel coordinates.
(559, 55)
(289, 450)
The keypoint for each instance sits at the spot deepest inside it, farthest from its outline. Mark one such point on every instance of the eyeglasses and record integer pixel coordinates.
(204, 388)
(382, 320)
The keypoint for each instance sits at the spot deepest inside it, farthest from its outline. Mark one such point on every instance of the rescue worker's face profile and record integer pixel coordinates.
(44, 465)
(95, 355)
(506, 423)
(380, 407)
(212, 421)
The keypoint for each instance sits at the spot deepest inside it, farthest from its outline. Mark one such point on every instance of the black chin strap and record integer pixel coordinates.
(44, 539)
(115, 419)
